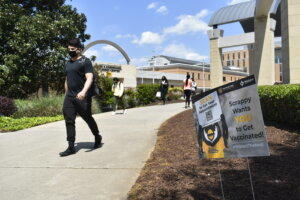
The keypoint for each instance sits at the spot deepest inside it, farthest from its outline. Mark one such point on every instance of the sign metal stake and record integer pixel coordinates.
(221, 181)
(250, 179)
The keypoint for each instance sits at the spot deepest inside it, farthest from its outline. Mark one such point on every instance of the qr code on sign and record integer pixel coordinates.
(209, 115)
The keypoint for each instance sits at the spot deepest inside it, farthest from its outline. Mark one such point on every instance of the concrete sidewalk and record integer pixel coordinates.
(30, 168)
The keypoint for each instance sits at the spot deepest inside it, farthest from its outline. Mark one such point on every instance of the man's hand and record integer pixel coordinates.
(81, 95)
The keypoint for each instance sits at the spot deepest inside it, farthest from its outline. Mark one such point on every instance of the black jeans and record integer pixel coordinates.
(187, 94)
(163, 95)
(73, 106)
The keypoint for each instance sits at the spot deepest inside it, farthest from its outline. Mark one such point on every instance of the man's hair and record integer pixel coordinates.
(76, 43)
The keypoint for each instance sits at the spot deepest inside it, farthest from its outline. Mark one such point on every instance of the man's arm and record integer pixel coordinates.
(89, 80)
(66, 86)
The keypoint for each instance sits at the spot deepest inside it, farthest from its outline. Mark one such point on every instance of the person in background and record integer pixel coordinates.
(194, 86)
(187, 86)
(118, 90)
(164, 87)
(79, 87)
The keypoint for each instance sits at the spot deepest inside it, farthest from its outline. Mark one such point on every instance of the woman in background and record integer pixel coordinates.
(164, 87)
(118, 90)
(187, 86)
(194, 86)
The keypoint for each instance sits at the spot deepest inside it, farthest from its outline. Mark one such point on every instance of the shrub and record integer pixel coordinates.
(175, 93)
(177, 90)
(7, 106)
(38, 107)
(146, 93)
(105, 99)
(130, 98)
(281, 103)
(45, 106)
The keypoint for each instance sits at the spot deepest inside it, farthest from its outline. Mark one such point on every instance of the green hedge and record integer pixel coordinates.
(146, 93)
(281, 103)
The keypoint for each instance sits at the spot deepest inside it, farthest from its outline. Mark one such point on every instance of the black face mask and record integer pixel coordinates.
(73, 54)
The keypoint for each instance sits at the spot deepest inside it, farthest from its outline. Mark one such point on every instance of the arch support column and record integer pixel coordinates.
(264, 53)
(290, 29)
(216, 67)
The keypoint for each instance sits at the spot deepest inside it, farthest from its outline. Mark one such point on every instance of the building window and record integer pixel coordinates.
(228, 63)
(224, 78)
(193, 75)
(244, 63)
(232, 63)
(222, 56)
(233, 56)
(244, 54)
(239, 55)
(198, 75)
(238, 63)
(280, 67)
(231, 78)
(227, 56)
(208, 76)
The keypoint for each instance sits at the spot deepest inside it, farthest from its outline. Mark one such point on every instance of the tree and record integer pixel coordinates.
(33, 39)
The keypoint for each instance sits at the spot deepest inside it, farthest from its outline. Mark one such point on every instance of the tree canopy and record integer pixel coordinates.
(33, 39)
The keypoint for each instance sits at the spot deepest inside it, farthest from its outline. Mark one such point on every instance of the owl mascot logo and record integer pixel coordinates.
(213, 138)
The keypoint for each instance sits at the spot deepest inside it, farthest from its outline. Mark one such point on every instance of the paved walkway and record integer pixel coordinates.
(30, 168)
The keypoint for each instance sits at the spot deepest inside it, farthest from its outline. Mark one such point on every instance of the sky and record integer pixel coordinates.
(144, 28)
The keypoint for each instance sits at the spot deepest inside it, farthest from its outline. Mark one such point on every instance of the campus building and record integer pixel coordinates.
(175, 70)
(200, 71)
(239, 59)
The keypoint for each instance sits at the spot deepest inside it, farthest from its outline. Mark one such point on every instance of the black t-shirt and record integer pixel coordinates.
(76, 71)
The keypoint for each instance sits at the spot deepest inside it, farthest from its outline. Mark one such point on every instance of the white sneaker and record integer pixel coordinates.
(124, 112)
(113, 113)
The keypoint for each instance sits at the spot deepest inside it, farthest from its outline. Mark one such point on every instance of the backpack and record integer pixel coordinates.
(96, 89)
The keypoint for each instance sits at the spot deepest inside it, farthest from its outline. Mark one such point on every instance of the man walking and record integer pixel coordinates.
(79, 88)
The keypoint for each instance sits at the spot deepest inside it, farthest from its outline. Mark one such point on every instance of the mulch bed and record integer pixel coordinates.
(174, 170)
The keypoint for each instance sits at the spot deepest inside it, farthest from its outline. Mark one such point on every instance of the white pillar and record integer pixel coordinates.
(216, 67)
(290, 31)
(264, 53)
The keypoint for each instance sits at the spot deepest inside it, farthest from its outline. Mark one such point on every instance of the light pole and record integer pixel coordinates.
(203, 75)
(142, 70)
(153, 74)
(153, 51)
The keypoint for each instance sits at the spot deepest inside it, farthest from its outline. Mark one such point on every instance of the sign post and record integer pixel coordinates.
(229, 122)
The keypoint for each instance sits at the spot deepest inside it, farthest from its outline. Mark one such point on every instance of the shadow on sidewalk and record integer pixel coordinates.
(86, 145)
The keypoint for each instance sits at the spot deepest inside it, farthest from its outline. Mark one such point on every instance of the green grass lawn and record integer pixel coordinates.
(14, 124)
(36, 111)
